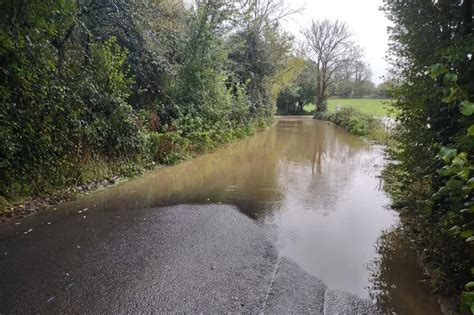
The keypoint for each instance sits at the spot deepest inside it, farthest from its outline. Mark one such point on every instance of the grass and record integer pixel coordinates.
(372, 107)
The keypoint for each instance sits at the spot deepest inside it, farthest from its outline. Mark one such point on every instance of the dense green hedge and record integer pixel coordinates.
(430, 175)
(357, 123)
(89, 90)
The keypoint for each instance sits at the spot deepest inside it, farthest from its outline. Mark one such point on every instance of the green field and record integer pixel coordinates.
(374, 107)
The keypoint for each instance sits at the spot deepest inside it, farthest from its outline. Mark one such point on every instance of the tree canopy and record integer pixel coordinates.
(333, 52)
(129, 83)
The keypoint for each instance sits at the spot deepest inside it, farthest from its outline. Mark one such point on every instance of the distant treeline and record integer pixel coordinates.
(294, 95)
(94, 88)
(329, 63)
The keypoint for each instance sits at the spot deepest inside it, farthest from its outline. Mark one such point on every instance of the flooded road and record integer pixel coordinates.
(312, 185)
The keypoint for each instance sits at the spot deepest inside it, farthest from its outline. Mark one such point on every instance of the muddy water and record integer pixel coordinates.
(313, 184)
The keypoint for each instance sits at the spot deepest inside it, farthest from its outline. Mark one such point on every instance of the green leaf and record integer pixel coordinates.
(454, 184)
(467, 301)
(428, 210)
(450, 98)
(470, 239)
(467, 233)
(455, 229)
(469, 286)
(467, 108)
(450, 78)
(436, 70)
(445, 171)
(470, 182)
(447, 153)
(470, 131)
(468, 210)
(464, 173)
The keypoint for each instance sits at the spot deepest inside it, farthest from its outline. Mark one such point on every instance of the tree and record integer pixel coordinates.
(149, 29)
(200, 89)
(289, 101)
(333, 52)
(362, 75)
(383, 89)
(297, 87)
(260, 50)
(101, 82)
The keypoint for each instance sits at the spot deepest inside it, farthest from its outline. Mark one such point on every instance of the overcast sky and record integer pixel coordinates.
(368, 24)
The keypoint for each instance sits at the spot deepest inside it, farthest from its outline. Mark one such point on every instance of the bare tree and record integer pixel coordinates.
(260, 14)
(362, 74)
(333, 52)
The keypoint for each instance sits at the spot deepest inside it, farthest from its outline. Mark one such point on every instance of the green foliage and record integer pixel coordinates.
(109, 122)
(431, 175)
(56, 112)
(34, 99)
(89, 91)
(259, 58)
(296, 94)
(175, 147)
(289, 101)
(456, 185)
(168, 148)
(94, 170)
(357, 123)
(200, 88)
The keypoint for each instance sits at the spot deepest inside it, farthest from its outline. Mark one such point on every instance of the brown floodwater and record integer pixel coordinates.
(317, 187)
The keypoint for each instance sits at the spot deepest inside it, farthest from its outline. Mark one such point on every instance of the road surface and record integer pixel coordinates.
(186, 258)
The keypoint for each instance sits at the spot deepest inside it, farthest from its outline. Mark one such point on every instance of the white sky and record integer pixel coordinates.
(366, 22)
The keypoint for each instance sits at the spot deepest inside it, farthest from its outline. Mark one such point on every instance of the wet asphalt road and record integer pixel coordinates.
(187, 258)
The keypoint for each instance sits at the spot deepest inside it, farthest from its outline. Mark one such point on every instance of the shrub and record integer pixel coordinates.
(357, 123)
(201, 141)
(168, 148)
(90, 91)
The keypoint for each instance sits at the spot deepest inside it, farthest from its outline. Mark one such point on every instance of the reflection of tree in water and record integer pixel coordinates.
(397, 280)
(320, 161)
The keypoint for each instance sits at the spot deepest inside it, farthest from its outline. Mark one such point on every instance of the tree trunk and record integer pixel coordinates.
(318, 98)
(322, 101)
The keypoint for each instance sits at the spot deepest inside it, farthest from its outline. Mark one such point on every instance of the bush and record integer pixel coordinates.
(356, 123)
(431, 170)
(201, 141)
(58, 113)
(168, 148)
(78, 104)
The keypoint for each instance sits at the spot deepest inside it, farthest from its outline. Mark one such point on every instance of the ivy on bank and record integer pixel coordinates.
(430, 176)
(90, 90)
(455, 194)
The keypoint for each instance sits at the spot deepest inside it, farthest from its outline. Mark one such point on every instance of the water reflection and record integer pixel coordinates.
(313, 183)
(332, 212)
(245, 174)
(395, 271)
